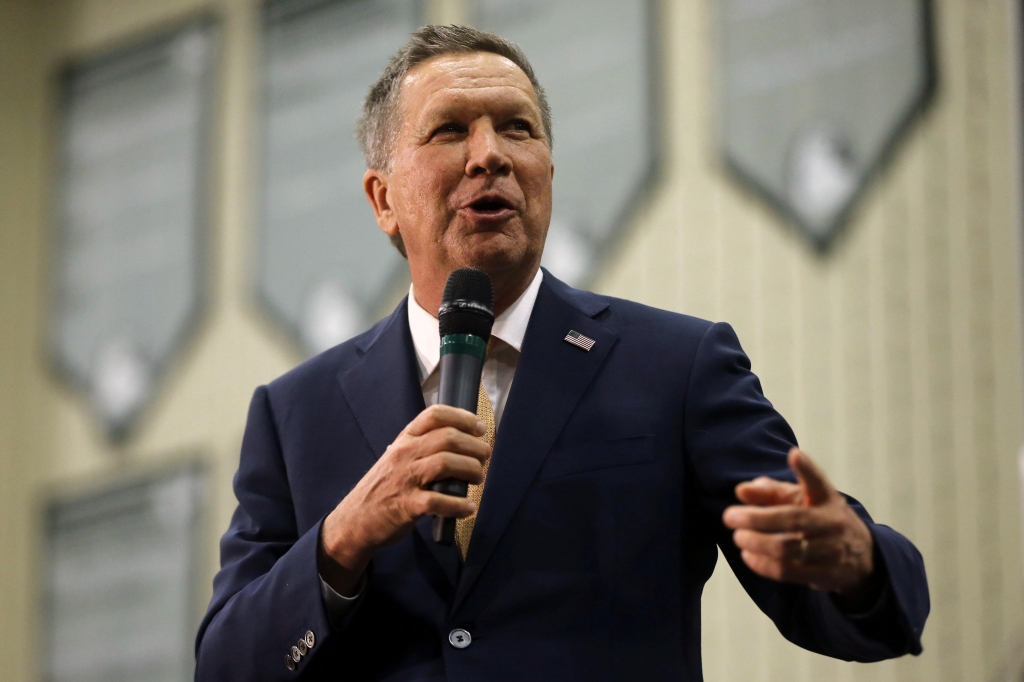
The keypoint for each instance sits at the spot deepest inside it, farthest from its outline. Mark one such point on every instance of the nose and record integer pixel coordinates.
(487, 152)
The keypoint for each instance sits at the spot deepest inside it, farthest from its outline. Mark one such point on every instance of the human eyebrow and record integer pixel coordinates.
(528, 111)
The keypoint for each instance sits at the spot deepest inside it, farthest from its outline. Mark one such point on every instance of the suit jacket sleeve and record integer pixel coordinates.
(733, 434)
(267, 594)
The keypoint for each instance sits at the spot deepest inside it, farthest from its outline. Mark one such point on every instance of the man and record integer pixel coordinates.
(617, 466)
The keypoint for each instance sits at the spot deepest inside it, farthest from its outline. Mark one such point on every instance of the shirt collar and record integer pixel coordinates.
(510, 326)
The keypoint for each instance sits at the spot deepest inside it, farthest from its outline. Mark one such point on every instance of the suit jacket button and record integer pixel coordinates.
(296, 654)
(309, 639)
(302, 647)
(459, 638)
(289, 662)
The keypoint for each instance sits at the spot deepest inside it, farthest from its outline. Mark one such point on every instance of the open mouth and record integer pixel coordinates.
(491, 206)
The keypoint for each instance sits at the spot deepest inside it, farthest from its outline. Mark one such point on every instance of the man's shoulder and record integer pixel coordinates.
(624, 313)
(627, 316)
(322, 371)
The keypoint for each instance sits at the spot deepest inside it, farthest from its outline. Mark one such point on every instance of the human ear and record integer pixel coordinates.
(375, 184)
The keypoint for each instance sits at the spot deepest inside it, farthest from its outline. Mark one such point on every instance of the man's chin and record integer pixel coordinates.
(493, 253)
(492, 263)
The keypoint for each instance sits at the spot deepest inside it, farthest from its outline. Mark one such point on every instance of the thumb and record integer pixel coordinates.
(816, 487)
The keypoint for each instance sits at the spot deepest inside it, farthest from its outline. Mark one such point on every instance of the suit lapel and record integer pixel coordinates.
(384, 394)
(382, 389)
(550, 378)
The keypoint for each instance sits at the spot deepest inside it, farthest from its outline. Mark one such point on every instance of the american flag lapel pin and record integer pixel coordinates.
(579, 340)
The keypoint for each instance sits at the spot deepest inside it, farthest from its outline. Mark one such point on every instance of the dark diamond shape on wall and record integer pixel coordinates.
(131, 214)
(814, 94)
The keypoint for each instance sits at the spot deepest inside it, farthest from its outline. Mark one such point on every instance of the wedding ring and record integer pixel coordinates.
(803, 549)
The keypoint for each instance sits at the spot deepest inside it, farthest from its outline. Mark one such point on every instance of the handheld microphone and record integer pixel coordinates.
(464, 320)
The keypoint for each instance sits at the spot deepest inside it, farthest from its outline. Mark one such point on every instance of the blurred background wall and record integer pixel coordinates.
(896, 355)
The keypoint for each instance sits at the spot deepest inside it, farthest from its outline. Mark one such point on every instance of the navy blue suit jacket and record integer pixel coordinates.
(599, 528)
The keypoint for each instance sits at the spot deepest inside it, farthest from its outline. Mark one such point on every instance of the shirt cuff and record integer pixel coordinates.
(338, 605)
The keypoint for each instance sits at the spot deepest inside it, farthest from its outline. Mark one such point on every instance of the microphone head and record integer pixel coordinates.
(467, 305)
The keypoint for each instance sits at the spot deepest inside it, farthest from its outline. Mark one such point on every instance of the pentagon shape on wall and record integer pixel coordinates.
(119, 573)
(324, 268)
(814, 94)
(596, 59)
(130, 216)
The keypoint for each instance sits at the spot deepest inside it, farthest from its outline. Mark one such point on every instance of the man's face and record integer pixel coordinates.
(470, 183)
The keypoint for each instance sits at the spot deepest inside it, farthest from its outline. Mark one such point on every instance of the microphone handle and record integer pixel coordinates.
(460, 387)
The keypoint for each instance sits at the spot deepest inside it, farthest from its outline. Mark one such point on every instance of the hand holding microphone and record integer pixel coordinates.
(428, 467)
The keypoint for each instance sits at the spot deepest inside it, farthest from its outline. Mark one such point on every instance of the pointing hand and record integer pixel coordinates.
(803, 532)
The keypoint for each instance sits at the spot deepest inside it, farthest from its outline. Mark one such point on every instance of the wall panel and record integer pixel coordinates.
(896, 356)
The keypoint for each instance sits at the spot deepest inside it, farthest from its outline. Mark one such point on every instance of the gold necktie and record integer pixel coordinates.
(464, 527)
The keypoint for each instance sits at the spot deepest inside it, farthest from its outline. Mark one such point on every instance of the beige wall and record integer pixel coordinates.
(897, 357)
(22, 388)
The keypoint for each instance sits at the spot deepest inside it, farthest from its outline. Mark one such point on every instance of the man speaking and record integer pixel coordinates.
(614, 447)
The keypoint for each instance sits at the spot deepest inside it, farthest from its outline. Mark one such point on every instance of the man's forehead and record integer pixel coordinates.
(461, 74)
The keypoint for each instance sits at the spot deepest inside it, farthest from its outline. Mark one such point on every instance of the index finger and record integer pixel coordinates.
(440, 416)
(767, 492)
(782, 519)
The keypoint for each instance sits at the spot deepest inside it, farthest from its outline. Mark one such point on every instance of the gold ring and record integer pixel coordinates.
(803, 549)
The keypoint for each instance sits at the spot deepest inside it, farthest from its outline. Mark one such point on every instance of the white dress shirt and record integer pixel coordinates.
(502, 353)
(499, 369)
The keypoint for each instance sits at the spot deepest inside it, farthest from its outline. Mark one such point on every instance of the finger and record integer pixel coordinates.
(440, 416)
(812, 479)
(767, 492)
(449, 465)
(789, 571)
(429, 502)
(450, 439)
(822, 552)
(789, 546)
(783, 519)
(774, 545)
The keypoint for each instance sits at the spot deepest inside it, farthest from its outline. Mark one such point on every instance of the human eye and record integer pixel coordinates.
(449, 129)
(520, 126)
